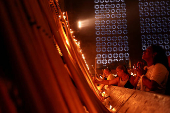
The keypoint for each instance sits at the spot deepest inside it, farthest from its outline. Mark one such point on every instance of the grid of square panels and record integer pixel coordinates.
(155, 23)
(111, 31)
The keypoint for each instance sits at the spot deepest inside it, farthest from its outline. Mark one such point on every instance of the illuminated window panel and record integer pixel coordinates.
(155, 23)
(111, 31)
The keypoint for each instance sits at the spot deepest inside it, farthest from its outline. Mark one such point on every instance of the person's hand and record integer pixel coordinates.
(139, 69)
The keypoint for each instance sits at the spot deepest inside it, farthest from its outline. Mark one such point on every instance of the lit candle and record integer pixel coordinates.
(64, 17)
(110, 107)
(113, 109)
(103, 94)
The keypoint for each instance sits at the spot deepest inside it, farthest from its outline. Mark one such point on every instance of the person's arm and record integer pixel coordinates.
(150, 84)
(100, 87)
(109, 82)
(134, 80)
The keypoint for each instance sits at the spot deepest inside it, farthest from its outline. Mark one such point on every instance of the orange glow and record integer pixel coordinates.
(83, 56)
(66, 38)
(113, 109)
(80, 50)
(103, 94)
(58, 48)
(71, 31)
(64, 17)
(67, 42)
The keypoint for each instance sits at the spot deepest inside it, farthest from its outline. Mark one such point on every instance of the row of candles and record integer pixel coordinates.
(75, 40)
(111, 108)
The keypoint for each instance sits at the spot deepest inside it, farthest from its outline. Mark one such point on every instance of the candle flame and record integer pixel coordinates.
(113, 109)
(110, 107)
(64, 17)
